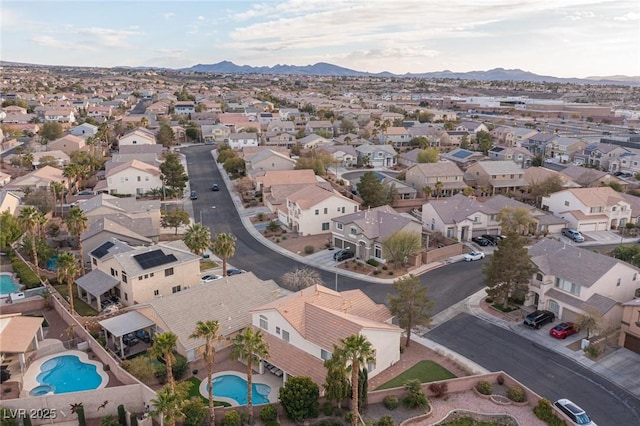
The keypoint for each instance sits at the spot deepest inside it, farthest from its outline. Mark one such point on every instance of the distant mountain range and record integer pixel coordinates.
(325, 69)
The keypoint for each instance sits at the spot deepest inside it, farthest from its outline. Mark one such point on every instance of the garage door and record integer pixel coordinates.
(632, 343)
(586, 227)
(569, 315)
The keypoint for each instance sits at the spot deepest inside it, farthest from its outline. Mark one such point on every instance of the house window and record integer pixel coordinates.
(285, 335)
(370, 367)
(568, 286)
(613, 209)
(449, 232)
(140, 278)
(124, 277)
(126, 296)
(95, 262)
(635, 276)
(139, 179)
(566, 203)
(277, 330)
(554, 307)
(168, 272)
(326, 210)
(377, 251)
(264, 322)
(353, 231)
(325, 355)
(156, 292)
(175, 289)
(618, 282)
(539, 277)
(114, 273)
(476, 219)
(339, 226)
(325, 226)
(146, 276)
(317, 212)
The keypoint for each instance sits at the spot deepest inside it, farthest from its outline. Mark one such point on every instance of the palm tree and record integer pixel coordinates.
(208, 330)
(77, 223)
(163, 346)
(67, 272)
(357, 350)
(71, 173)
(249, 346)
(169, 404)
(28, 219)
(197, 238)
(224, 247)
(27, 160)
(57, 189)
(439, 186)
(19, 152)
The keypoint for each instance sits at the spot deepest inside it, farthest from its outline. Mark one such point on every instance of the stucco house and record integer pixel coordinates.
(600, 154)
(215, 134)
(9, 202)
(471, 126)
(377, 155)
(498, 176)
(572, 281)
(363, 232)
(589, 209)
(84, 130)
(323, 127)
(345, 155)
(139, 136)
(285, 139)
(396, 136)
(68, 144)
(444, 178)
(630, 324)
(521, 156)
(565, 147)
(268, 160)
(133, 177)
(588, 177)
(302, 329)
(38, 179)
(240, 140)
(185, 107)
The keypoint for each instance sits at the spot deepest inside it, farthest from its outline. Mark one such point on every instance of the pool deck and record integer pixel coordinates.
(275, 383)
(29, 380)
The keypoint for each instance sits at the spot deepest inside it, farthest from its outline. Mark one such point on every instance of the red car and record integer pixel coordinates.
(564, 330)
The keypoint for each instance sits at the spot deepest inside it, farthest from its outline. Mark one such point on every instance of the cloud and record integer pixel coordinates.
(631, 16)
(579, 15)
(108, 37)
(48, 41)
(200, 18)
(168, 15)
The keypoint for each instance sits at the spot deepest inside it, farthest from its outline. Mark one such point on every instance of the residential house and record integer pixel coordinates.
(284, 139)
(84, 130)
(396, 136)
(462, 157)
(240, 140)
(409, 158)
(600, 285)
(565, 147)
(398, 188)
(521, 156)
(589, 177)
(628, 162)
(497, 176)
(471, 127)
(68, 144)
(9, 202)
(630, 324)
(5, 178)
(310, 210)
(634, 203)
(38, 179)
(100, 113)
(444, 178)
(20, 335)
(503, 135)
(185, 107)
(268, 160)
(215, 134)
(376, 155)
(63, 115)
(344, 155)
(320, 127)
(54, 158)
(302, 330)
(589, 209)
(536, 175)
(133, 177)
(312, 141)
(281, 126)
(520, 135)
(158, 108)
(285, 177)
(600, 154)
(138, 274)
(363, 232)
(146, 153)
(138, 136)
(454, 139)
(351, 139)
(540, 143)
(236, 122)
(427, 131)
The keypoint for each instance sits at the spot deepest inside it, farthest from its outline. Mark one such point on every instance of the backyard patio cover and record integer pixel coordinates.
(97, 282)
(18, 332)
(126, 323)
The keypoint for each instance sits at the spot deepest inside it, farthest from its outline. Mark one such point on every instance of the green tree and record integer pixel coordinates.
(208, 330)
(516, 220)
(198, 238)
(165, 135)
(193, 133)
(224, 247)
(428, 155)
(485, 141)
(225, 153)
(355, 351)
(49, 131)
(235, 165)
(141, 367)
(544, 188)
(299, 398)
(168, 403)
(402, 244)
(109, 420)
(28, 219)
(174, 175)
(363, 384)
(77, 223)
(591, 321)
(372, 191)
(57, 190)
(163, 346)
(249, 347)
(67, 272)
(174, 219)
(410, 305)
(194, 411)
(10, 230)
(336, 385)
(415, 397)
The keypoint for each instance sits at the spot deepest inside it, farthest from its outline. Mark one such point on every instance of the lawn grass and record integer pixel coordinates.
(425, 371)
(207, 264)
(194, 390)
(81, 307)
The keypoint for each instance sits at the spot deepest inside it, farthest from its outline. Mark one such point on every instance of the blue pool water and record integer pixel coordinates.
(52, 263)
(7, 284)
(67, 373)
(234, 387)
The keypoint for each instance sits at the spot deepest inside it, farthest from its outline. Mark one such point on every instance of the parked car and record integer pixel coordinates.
(537, 319)
(215, 187)
(341, 255)
(235, 271)
(210, 278)
(573, 234)
(564, 330)
(194, 195)
(576, 414)
(481, 241)
(492, 238)
(130, 339)
(143, 335)
(473, 255)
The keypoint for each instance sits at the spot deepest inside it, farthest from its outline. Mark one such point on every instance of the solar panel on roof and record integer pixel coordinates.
(154, 258)
(462, 154)
(101, 251)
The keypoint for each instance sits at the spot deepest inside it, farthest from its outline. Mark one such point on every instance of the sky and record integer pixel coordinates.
(561, 38)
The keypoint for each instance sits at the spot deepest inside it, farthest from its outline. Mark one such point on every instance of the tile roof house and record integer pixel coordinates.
(285, 177)
(521, 156)
(472, 127)
(565, 147)
(363, 232)
(600, 154)
(268, 160)
(572, 281)
(38, 179)
(449, 176)
(539, 143)
(284, 139)
(217, 133)
(138, 136)
(133, 177)
(84, 130)
(588, 177)
(240, 140)
(634, 203)
(68, 144)
(323, 127)
(630, 325)
(396, 136)
(376, 155)
(409, 158)
(590, 209)
(462, 157)
(498, 176)
(302, 329)
(346, 155)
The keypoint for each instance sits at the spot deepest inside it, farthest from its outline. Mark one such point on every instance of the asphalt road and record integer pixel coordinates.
(447, 285)
(542, 370)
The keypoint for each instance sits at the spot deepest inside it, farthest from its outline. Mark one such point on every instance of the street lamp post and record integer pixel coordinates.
(336, 278)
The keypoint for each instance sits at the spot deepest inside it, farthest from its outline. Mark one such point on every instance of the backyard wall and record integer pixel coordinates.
(442, 253)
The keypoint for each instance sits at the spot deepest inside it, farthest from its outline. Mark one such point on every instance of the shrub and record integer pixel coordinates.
(544, 411)
(390, 402)
(277, 240)
(385, 421)
(133, 419)
(327, 408)
(231, 418)
(376, 272)
(268, 413)
(373, 262)
(122, 415)
(390, 272)
(414, 398)
(284, 237)
(516, 394)
(179, 367)
(309, 249)
(500, 380)
(385, 267)
(109, 420)
(25, 273)
(484, 387)
(81, 419)
(592, 351)
(299, 398)
(488, 300)
(438, 389)
(349, 417)
(7, 418)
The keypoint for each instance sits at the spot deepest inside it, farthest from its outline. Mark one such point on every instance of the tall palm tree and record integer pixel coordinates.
(57, 189)
(77, 223)
(67, 272)
(169, 404)
(208, 330)
(224, 247)
(71, 173)
(249, 346)
(28, 219)
(20, 153)
(357, 351)
(163, 346)
(198, 238)
(27, 161)
(42, 225)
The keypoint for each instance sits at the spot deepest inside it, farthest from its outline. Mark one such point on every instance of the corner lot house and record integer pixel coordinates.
(572, 281)
(311, 208)
(590, 209)
(302, 329)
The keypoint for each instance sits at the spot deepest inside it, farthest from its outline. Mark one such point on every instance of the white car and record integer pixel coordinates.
(209, 278)
(473, 255)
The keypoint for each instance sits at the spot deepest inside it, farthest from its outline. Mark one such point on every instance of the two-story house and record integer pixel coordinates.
(442, 179)
(68, 144)
(303, 328)
(284, 139)
(589, 209)
(600, 154)
(521, 156)
(396, 136)
(539, 143)
(497, 176)
(376, 155)
(363, 232)
(463, 157)
(630, 324)
(454, 138)
(268, 160)
(571, 281)
(589, 177)
(472, 127)
(344, 155)
(133, 177)
(565, 147)
(520, 135)
(215, 134)
(41, 178)
(84, 130)
(65, 115)
(321, 127)
(185, 107)
(138, 136)
(240, 140)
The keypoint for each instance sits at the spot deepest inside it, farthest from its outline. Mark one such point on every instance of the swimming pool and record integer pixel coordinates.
(66, 373)
(52, 263)
(234, 387)
(7, 285)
